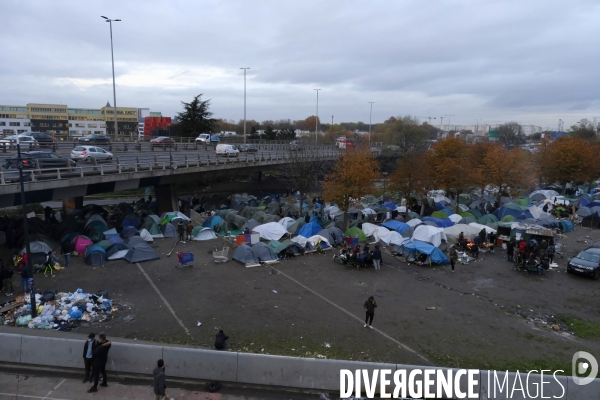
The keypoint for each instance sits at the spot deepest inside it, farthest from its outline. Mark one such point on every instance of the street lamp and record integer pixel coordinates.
(245, 68)
(370, 114)
(384, 176)
(26, 232)
(317, 118)
(112, 55)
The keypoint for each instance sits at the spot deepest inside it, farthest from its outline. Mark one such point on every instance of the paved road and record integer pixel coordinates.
(54, 386)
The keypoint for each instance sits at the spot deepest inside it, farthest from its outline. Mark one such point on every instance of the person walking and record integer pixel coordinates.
(6, 275)
(221, 340)
(181, 231)
(160, 386)
(453, 258)
(49, 265)
(88, 358)
(370, 306)
(377, 258)
(65, 251)
(100, 357)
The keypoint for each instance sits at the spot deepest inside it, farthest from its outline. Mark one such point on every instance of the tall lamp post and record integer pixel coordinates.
(384, 176)
(26, 232)
(317, 118)
(112, 55)
(245, 68)
(370, 114)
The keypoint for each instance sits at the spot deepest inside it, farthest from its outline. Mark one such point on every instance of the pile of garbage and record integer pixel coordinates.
(59, 311)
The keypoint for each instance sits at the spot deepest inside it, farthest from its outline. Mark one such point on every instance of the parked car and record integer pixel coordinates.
(587, 262)
(95, 139)
(39, 159)
(42, 138)
(87, 153)
(247, 148)
(227, 150)
(162, 141)
(24, 141)
(295, 145)
(206, 138)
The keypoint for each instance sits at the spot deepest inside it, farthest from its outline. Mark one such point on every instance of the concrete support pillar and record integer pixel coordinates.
(166, 198)
(258, 176)
(72, 203)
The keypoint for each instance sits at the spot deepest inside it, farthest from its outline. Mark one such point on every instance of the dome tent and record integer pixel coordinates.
(140, 251)
(95, 256)
(263, 252)
(356, 232)
(203, 233)
(244, 254)
(117, 251)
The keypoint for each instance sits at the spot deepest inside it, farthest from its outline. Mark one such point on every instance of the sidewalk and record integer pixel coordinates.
(46, 386)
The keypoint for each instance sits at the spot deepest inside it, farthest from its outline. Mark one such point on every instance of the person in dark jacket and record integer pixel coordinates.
(181, 231)
(47, 214)
(6, 275)
(159, 381)
(510, 251)
(377, 258)
(307, 218)
(88, 357)
(370, 306)
(65, 250)
(221, 340)
(100, 355)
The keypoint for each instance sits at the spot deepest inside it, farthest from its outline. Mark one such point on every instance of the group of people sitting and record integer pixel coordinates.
(364, 258)
(483, 238)
(531, 256)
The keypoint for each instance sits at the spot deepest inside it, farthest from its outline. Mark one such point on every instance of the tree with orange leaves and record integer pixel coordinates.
(449, 168)
(507, 171)
(353, 176)
(477, 154)
(570, 159)
(411, 176)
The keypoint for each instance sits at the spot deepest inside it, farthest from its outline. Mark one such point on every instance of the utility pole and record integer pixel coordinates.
(442, 123)
(332, 123)
(477, 126)
(245, 68)
(317, 118)
(112, 55)
(370, 115)
(449, 120)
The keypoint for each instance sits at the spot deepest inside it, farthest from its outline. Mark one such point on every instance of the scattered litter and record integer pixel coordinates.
(321, 356)
(199, 323)
(431, 308)
(275, 307)
(275, 291)
(327, 345)
(262, 349)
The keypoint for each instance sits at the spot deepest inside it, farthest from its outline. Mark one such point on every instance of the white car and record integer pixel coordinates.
(227, 150)
(87, 153)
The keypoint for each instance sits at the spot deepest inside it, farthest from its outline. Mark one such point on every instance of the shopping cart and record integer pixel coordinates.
(220, 256)
(185, 259)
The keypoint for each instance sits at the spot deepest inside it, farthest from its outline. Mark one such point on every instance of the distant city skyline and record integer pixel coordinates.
(473, 60)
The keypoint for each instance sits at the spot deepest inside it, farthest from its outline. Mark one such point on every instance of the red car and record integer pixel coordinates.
(162, 141)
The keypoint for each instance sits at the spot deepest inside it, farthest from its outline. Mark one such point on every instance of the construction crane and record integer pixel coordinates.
(561, 125)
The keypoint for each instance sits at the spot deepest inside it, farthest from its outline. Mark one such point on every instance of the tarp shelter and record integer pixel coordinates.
(429, 234)
(414, 222)
(397, 226)
(441, 223)
(80, 243)
(203, 233)
(286, 222)
(270, 231)
(140, 251)
(386, 236)
(435, 255)
(95, 256)
(452, 232)
(244, 254)
(310, 229)
(168, 230)
(480, 227)
(117, 251)
(316, 239)
(262, 252)
(369, 228)
(356, 232)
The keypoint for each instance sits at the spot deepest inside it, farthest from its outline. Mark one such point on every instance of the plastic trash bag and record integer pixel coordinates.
(23, 320)
(75, 313)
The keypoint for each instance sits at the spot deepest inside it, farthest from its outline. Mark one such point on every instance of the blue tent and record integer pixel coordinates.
(519, 212)
(212, 222)
(440, 223)
(565, 225)
(389, 205)
(317, 220)
(397, 226)
(415, 248)
(95, 256)
(593, 204)
(439, 206)
(448, 211)
(310, 229)
(130, 222)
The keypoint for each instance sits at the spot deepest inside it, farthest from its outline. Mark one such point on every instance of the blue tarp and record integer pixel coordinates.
(441, 223)
(397, 226)
(310, 229)
(317, 220)
(566, 226)
(416, 247)
(389, 205)
(212, 222)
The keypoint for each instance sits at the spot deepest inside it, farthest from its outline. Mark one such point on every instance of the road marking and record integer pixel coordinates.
(385, 335)
(187, 331)
(55, 387)
(19, 396)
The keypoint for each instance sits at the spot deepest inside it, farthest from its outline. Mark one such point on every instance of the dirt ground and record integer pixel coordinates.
(486, 314)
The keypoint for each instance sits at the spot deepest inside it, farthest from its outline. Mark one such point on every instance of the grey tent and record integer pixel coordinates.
(273, 207)
(328, 224)
(37, 247)
(250, 224)
(271, 218)
(293, 228)
(140, 251)
(244, 254)
(262, 252)
(260, 216)
(248, 212)
(337, 235)
(327, 235)
(168, 230)
(584, 212)
(116, 248)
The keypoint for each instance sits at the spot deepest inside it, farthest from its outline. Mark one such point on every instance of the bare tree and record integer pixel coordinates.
(511, 134)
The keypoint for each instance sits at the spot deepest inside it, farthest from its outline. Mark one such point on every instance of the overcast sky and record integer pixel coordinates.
(528, 61)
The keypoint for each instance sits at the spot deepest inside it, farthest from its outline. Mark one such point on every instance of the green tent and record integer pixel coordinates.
(262, 208)
(523, 201)
(467, 214)
(356, 232)
(105, 244)
(475, 212)
(151, 226)
(508, 218)
(487, 218)
(412, 215)
(439, 214)
(278, 247)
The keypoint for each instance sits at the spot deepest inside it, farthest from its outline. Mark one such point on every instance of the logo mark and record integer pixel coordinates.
(581, 367)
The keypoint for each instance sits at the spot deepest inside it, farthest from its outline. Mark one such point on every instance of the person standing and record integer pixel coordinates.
(550, 252)
(65, 250)
(160, 386)
(188, 230)
(24, 272)
(370, 306)
(475, 251)
(100, 356)
(453, 257)
(510, 250)
(88, 358)
(6, 275)
(47, 214)
(181, 231)
(377, 258)
(49, 265)
(221, 340)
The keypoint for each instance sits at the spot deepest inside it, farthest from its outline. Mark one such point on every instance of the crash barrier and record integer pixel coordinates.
(261, 369)
(179, 163)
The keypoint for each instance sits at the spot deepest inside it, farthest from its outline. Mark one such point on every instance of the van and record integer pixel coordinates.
(227, 150)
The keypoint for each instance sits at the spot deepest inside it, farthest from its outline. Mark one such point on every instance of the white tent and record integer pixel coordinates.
(480, 227)
(369, 229)
(429, 234)
(455, 218)
(454, 231)
(301, 240)
(205, 234)
(177, 215)
(270, 231)
(333, 211)
(286, 222)
(414, 222)
(401, 209)
(368, 211)
(388, 237)
(118, 255)
(549, 194)
(314, 240)
(144, 234)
